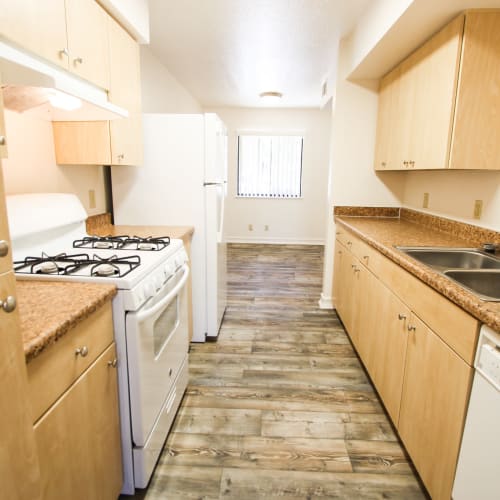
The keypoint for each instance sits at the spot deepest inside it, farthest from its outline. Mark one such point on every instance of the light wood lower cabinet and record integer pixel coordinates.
(78, 437)
(433, 406)
(422, 381)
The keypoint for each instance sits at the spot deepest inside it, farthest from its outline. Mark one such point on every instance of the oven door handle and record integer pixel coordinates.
(147, 313)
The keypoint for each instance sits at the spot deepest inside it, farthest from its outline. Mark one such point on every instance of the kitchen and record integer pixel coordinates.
(353, 181)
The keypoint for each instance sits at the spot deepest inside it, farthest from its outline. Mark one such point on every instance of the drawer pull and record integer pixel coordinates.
(170, 372)
(4, 248)
(401, 316)
(82, 351)
(9, 304)
(2, 140)
(112, 364)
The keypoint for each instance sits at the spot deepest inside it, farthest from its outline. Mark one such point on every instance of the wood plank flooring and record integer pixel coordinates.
(280, 405)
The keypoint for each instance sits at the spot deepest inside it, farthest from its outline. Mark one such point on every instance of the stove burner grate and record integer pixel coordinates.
(149, 243)
(47, 264)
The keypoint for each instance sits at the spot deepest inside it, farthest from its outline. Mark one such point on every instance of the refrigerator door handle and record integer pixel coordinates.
(221, 215)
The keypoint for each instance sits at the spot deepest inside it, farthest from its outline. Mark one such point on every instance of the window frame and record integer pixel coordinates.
(270, 133)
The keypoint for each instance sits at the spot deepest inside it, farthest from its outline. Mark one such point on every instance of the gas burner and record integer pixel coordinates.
(149, 243)
(100, 242)
(47, 264)
(105, 270)
(114, 265)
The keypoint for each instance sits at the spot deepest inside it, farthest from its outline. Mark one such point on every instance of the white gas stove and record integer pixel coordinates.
(150, 315)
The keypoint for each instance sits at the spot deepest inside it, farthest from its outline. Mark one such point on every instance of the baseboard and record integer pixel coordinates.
(325, 302)
(277, 241)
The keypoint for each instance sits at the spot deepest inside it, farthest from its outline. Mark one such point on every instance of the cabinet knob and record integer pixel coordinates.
(4, 248)
(3, 141)
(401, 316)
(412, 328)
(383, 163)
(64, 52)
(170, 372)
(78, 60)
(112, 364)
(349, 243)
(82, 351)
(9, 304)
(121, 157)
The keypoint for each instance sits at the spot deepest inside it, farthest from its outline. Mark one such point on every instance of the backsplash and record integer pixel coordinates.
(475, 234)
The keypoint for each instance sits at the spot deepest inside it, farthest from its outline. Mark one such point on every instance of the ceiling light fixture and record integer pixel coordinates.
(271, 96)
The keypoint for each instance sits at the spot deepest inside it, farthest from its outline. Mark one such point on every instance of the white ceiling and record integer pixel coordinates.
(226, 52)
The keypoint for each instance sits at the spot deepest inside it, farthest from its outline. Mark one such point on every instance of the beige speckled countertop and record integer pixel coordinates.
(48, 310)
(384, 233)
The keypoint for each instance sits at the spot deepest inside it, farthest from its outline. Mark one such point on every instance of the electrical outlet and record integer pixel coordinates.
(250, 227)
(91, 198)
(478, 209)
(425, 201)
(266, 228)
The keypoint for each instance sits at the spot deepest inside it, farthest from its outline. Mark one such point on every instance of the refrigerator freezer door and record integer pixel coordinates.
(216, 149)
(216, 257)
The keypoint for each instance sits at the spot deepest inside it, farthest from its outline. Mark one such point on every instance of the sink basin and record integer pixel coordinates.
(485, 284)
(452, 258)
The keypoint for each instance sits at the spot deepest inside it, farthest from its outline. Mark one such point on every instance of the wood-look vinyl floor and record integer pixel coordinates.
(280, 405)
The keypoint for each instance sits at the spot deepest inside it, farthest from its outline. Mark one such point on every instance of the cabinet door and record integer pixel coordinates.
(388, 129)
(476, 134)
(39, 27)
(435, 74)
(338, 286)
(434, 400)
(19, 473)
(79, 439)
(87, 27)
(125, 91)
(386, 357)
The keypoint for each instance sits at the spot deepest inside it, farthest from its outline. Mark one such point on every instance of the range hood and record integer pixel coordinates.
(30, 84)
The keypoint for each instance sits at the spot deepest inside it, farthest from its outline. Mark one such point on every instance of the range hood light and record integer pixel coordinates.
(64, 101)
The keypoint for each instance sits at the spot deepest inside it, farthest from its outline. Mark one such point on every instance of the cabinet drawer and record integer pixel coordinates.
(55, 369)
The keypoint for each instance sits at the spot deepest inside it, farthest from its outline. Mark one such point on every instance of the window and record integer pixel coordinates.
(270, 166)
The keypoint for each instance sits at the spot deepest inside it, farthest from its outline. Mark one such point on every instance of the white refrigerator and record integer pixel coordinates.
(183, 181)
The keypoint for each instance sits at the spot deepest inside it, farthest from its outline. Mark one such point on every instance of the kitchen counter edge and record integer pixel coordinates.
(48, 310)
(486, 312)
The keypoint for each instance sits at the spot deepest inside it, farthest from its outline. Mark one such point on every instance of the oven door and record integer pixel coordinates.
(157, 343)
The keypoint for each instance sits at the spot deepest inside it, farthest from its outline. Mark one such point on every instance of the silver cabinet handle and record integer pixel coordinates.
(78, 60)
(4, 248)
(82, 351)
(121, 156)
(9, 304)
(64, 52)
(401, 316)
(412, 328)
(2, 140)
(112, 364)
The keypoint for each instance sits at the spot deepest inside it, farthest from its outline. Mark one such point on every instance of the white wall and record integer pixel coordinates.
(289, 220)
(31, 164)
(132, 14)
(161, 92)
(353, 182)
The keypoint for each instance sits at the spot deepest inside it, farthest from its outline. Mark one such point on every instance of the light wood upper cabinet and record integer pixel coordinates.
(476, 131)
(117, 142)
(70, 33)
(125, 91)
(433, 407)
(39, 27)
(439, 107)
(88, 44)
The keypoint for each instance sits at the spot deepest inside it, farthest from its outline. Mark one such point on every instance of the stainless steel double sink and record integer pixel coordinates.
(471, 268)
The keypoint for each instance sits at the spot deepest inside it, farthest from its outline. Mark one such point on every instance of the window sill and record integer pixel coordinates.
(268, 198)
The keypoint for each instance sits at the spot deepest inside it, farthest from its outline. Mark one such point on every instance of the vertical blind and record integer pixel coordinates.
(270, 166)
